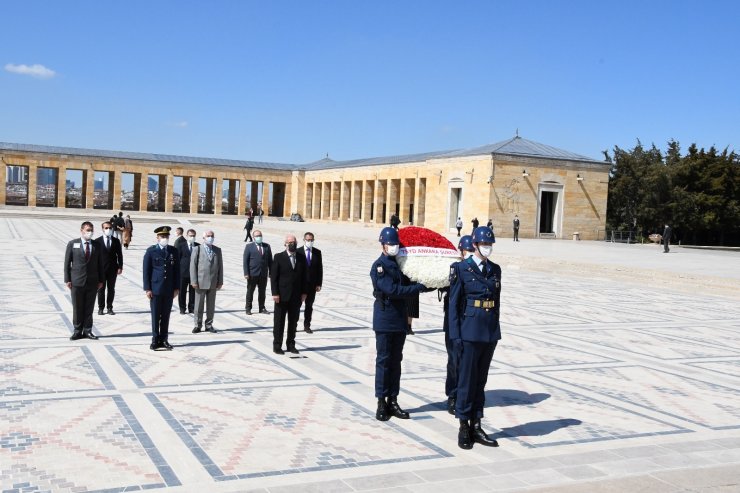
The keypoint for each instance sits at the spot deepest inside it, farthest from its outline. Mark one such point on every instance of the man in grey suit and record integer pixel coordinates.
(83, 275)
(257, 264)
(207, 277)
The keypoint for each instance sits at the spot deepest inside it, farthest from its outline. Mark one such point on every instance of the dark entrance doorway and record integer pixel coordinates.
(548, 203)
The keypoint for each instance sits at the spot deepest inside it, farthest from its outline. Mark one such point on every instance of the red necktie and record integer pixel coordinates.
(259, 249)
(87, 251)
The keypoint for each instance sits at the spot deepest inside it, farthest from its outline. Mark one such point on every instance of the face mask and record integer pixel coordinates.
(107, 231)
(291, 247)
(485, 251)
(258, 239)
(163, 242)
(87, 234)
(393, 250)
(191, 239)
(309, 244)
(209, 240)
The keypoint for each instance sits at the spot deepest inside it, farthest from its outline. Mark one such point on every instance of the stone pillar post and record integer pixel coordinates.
(32, 175)
(143, 191)
(116, 177)
(169, 197)
(416, 201)
(266, 197)
(3, 181)
(194, 194)
(89, 187)
(219, 199)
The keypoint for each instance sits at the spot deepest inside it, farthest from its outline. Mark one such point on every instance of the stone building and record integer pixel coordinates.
(555, 193)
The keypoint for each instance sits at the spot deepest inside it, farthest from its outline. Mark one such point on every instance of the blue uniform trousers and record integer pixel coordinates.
(160, 306)
(453, 360)
(475, 361)
(389, 347)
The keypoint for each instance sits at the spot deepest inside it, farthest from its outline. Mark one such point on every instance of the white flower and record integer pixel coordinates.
(431, 271)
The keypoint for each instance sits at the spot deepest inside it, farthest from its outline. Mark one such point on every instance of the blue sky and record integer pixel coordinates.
(289, 81)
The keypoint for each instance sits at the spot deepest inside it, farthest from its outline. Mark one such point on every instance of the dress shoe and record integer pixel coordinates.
(111, 312)
(154, 346)
(248, 312)
(278, 351)
(167, 345)
(264, 311)
(293, 350)
(190, 311)
(196, 330)
(76, 335)
(382, 413)
(464, 437)
(395, 410)
(480, 436)
(182, 312)
(409, 331)
(100, 311)
(211, 330)
(90, 335)
(451, 401)
(308, 330)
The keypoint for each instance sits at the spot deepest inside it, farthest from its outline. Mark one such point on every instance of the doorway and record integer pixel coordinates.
(549, 218)
(455, 207)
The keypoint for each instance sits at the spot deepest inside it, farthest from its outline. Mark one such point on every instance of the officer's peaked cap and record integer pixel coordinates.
(162, 230)
(483, 234)
(389, 236)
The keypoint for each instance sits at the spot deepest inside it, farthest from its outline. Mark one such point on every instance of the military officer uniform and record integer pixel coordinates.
(161, 282)
(390, 289)
(475, 292)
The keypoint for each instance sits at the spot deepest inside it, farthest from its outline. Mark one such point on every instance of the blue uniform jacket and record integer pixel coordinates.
(161, 270)
(467, 284)
(390, 288)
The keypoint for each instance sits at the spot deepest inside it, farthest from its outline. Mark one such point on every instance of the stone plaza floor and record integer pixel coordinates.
(619, 370)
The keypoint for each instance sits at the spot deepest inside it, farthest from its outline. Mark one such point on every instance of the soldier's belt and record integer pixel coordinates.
(482, 303)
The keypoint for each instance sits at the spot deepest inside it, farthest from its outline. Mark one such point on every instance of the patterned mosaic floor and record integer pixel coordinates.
(593, 380)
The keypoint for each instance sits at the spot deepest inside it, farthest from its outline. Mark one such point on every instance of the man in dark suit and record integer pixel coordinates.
(83, 267)
(257, 264)
(186, 298)
(288, 284)
(667, 238)
(179, 240)
(110, 250)
(161, 283)
(314, 276)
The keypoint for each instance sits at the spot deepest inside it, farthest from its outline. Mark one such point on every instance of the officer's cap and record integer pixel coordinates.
(483, 234)
(162, 230)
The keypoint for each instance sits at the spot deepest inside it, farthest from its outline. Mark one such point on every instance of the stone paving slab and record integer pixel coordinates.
(599, 384)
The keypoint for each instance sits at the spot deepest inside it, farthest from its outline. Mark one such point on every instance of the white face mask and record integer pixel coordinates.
(393, 250)
(209, 240)
(107, 231)
(163, 242)
(87, 234)
(309, 244)
(485, 251)
(191, 239)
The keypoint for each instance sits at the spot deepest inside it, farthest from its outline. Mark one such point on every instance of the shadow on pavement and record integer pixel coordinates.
(535, 428)
(511, 397)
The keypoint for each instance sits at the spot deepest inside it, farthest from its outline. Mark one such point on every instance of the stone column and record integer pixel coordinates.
(315, 210)
(169, 198)
(32, 175)
(143, 191)
(266, 197)
(219, 199)
(116, 177)
(89, 187)
(3, 181)
(377, 206)
(416, 201)
(403, 198)
(194, 194)
(243, 207)
(352, 198)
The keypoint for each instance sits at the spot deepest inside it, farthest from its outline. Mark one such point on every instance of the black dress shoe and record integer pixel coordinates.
(451, 405)
(409, 331)
(396, 410)
(154, 346)
(464, 438)
(308, 330)
(191, 311)
(382, 413)
(76, 335)
(480, 436)
(264, 311)
(248, 312)
(278, 351)
(293, 350)
(100, 311)
(211, 330)
(111, 312)
(196, 330)
(182, 312)
(90, 335)
(167, 345)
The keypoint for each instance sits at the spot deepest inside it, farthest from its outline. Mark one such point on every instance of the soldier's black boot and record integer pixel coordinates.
(464, 438)
(480, 436)
(382, 413)
(451, 401)
(396, 410)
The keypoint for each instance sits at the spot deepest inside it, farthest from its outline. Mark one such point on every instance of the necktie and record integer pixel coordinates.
(87, 251)
(259, 249)
(190, 248)
(484, 269)
(292, 261)
(107, 242)
(308, 256)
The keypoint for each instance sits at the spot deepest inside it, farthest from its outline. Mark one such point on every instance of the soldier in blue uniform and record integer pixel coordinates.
(465, 246)
(161, 283)
(475, 292)
(390, 289)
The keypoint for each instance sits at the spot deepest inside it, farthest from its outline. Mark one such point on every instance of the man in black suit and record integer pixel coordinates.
(179, 240)
(667, 238)
(314, 276)
(112, 254)
(186, 298)
(288, 284)
(257, 264)
(83, 266)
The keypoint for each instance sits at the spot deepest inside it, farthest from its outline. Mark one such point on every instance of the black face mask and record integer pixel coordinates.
(291, 247)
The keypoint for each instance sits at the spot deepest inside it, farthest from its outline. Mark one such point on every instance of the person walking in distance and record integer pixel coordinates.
(516, 227)
(248, 226)
(459, 226)
(207, 277)
(288, 285)
(314, 277)
(667, 238)
(257, 264)
(83, 267)
(186, 297)
(112, 254)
